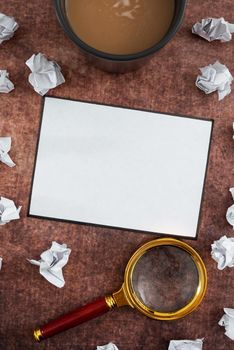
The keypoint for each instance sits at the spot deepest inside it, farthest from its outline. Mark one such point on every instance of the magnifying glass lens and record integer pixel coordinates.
(165, 278)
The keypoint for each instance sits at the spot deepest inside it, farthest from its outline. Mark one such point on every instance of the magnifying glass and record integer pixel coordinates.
(165, 279)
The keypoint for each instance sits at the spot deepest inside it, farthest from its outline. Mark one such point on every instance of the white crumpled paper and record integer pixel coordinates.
(231, 190)
(214, 29)
(5, 146)
(51, 263)
(227, 321)
(5, 84)
(230, 215)
(8, 211)
(222, 251)
(8, 26)
(0, 262)
(186, 344)
(109, 346)
(230, 211)
(215, 77)
(45, 74)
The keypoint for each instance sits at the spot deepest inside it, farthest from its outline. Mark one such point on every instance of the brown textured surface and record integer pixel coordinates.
(99, 255)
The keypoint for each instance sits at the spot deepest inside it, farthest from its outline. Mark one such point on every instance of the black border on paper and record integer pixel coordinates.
(108, 226)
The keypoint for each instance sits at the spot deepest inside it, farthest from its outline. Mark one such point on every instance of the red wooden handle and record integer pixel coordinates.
(72, 319)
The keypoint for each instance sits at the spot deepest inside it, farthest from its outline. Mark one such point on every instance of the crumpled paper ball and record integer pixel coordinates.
(212, 29)
(230, 211)
(8, 26)
(186, 344)
(6, 85)
(230, 215)
(109, 346)
(215, 77)
(8, 211)
(51, 263)
(227, 321)
(5, 146)
(223, 252)
(45, 74)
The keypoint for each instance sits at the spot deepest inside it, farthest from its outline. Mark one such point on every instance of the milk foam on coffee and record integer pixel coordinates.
(120, 26)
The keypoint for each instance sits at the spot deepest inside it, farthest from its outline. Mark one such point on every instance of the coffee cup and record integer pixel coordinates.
(142, 31)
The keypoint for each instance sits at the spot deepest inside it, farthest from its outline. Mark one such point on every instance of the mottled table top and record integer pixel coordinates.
(99, 255)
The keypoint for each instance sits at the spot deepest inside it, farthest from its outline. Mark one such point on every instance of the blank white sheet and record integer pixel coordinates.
(120, 167)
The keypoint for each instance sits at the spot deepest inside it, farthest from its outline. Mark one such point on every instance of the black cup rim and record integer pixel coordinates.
(115, 57)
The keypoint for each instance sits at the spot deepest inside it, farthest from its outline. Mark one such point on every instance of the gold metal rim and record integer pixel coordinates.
(192, 305)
